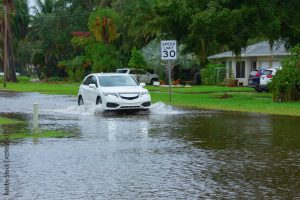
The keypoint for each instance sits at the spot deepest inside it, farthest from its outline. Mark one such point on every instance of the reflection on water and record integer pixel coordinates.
(166, 153)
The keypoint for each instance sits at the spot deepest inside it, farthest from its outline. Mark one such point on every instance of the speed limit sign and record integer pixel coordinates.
(168, 49)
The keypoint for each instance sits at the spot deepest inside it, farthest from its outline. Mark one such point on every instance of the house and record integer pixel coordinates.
(257, 56)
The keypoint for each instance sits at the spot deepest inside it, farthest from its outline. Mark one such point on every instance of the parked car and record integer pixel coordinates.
(114, 92)
(254, 77)
(265, 78)
(2, 74)
(140, 75)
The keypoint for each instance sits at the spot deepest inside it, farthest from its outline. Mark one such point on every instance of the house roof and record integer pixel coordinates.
(256, 50)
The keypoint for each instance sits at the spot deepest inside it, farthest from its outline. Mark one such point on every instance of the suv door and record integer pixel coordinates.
(93, 92)
(85, 89)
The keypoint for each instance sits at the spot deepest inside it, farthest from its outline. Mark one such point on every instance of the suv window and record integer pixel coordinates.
(141, 71)
(267, 72)
(132, 72)
(94, 81)
(122, 71)
(87, 81)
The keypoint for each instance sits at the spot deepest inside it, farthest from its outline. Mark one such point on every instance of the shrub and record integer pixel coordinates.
(76, 68)
(20, 79)
(213, 74)
(55, 79)
(285, 86)
(23, 79)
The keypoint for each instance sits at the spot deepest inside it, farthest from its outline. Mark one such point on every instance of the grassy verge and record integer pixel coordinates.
(21, 134)
(38, 134)
(45, 88)
(9, 121)
(243, 102)
(200, 89)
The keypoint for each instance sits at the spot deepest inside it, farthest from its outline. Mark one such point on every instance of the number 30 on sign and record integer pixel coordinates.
(168, 49)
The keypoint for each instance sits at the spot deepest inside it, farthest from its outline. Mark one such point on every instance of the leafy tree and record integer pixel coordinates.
(137, 27)
(137, 59)
(174, 18)
(52, 25)
(285, 85)
(290, 23)
(103, 59)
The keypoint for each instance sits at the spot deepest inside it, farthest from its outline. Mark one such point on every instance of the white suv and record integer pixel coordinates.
(140, 75)
(266, 77)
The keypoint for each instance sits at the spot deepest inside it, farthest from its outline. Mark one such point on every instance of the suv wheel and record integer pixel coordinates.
(98, 100)
(80, 101)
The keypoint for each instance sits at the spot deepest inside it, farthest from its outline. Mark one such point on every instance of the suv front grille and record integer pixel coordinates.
(129, 96)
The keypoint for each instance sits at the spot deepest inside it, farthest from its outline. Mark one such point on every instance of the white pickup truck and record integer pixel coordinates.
(140, 75)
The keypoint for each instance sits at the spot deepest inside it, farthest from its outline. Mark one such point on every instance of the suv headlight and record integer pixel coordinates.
(110, 94)
(145, 93)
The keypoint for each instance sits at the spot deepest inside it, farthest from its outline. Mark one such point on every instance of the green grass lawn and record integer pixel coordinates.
(38, 134)
(45, 88)
(244, 102)
(200, 89)
(21, 134)
(243, 99)
(9, 121)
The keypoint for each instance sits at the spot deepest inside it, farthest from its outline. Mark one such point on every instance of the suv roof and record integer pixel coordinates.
(109, 74)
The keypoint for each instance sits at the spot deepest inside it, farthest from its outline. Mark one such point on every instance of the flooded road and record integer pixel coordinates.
(167, 153)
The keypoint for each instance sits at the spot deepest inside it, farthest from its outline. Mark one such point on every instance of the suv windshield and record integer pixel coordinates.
(114, 81)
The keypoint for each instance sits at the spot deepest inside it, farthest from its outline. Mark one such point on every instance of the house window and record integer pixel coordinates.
(254, 65)
(229, 73)
(240, 69)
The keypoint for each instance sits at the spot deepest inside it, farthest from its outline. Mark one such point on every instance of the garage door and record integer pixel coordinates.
(263, 65)
(276, 64)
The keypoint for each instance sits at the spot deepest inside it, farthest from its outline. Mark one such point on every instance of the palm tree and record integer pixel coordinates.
(103, 24)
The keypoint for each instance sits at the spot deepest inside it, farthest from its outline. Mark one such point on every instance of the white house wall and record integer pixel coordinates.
(269, 62)
(243, 81)
(261, 62)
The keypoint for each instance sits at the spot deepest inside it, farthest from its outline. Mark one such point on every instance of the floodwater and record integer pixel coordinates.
(166, 153)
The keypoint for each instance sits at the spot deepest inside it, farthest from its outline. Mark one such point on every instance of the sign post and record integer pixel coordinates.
(168, 49)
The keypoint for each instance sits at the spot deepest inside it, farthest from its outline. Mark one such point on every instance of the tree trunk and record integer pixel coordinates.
(9, 64)
(5, 52)
(12, 67)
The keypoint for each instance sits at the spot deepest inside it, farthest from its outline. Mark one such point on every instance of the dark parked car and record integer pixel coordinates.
(254, 77)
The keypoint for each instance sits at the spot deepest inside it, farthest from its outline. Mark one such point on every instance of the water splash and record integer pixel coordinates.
(76, 110)
(161, 108)
(158, 108)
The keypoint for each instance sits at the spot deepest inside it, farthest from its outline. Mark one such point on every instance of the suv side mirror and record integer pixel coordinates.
(92, 86)
(142, 84)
